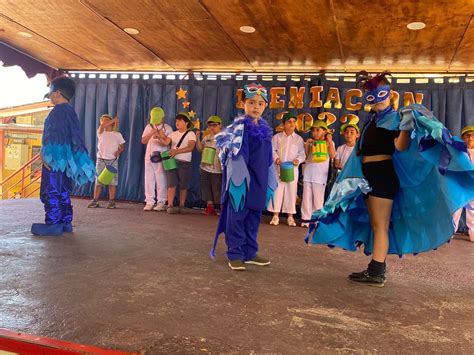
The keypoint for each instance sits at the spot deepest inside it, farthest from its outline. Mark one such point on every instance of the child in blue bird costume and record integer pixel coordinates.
(249, 179)
(398, 190)
(65, 160)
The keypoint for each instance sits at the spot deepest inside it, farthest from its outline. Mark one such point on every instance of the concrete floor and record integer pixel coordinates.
(131, 280)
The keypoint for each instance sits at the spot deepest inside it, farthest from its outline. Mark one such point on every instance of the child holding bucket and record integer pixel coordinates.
(351, 132)
(467, 134)
(320, 150)
(156, 185)
(211, 169)
(288, 153)
(177, 161)
(110, 146)
(249, 178)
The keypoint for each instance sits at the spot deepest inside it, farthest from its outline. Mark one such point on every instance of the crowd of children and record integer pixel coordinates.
(246, 169)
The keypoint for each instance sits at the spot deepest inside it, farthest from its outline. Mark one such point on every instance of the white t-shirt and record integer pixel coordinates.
(109, 142)
(343, 153)
(175, 138)
(470, 152)
(154, 144)
(288, 148)
(316, 172)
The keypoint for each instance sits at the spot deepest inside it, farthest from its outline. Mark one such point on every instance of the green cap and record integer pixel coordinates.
(214, 119)
(467, 129)
(320, 124)
(353, 125)
(288, 116)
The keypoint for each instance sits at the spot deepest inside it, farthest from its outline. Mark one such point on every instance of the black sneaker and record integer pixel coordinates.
(236, 265)
(111, 205)
(93, 204)
(365, 279)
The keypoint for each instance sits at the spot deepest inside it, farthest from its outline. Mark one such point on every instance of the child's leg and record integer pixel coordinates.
(65, 201)
(206, 188)
(470, 220)
(161, 183)
(307, 202)
(289, 196)
(379, 210)
(216, 186)
(184, 169)
(456, 218)
(318, 196)
(112, 192)
(150, 182)
(252, 224)
(235, 233)
(97, 190)
(172, 180)
(182, 197)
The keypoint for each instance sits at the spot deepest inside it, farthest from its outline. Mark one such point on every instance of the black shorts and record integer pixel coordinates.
(179, 176)
(382, 178)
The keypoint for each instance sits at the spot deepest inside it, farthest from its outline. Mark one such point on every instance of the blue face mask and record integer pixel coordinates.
(377, 95)
(252, 90)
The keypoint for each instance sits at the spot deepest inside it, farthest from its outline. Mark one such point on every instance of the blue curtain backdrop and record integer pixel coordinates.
(132, 99)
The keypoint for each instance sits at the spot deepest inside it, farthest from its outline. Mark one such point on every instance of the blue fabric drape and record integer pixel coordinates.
(132, 99)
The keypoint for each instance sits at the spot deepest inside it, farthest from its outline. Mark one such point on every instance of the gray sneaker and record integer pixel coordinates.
(258, 261)
(93, 204)
(183, 210)
(172, 210)
(111, 205)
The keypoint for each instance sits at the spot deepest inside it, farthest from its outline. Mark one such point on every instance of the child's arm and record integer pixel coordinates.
(106, 123)
(330, 144)
(188, 148)
(164, 139)
(308, 145)
(146, 137)
(402, 141)
(199, 143)
(275, 156)
(121, 148)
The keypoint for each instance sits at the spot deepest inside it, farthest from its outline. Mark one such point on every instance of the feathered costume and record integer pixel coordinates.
(436, 178)
(64, 152)
(249, 181)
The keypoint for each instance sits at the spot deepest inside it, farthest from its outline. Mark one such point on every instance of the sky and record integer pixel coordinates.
(16, 89)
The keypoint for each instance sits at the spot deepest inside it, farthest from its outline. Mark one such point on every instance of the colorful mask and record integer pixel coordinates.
(377, 95)
(253, 89)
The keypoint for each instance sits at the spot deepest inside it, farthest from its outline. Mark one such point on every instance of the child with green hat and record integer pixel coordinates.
(351, 132)
(182, 143)
(288, 153)
(320, 150)
(467, 134)
(210, 168)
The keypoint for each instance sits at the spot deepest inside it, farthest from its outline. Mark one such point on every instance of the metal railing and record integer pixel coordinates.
(21, 180)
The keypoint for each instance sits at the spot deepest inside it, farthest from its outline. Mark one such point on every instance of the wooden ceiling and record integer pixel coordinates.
(203, 35)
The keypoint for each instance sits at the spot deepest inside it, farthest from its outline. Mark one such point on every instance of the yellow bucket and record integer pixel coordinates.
(107, 175)
(319, 152)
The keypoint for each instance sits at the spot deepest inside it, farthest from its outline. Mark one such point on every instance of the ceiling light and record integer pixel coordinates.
(414, 26)
(131, 30)
(25, 34)
(247, 29)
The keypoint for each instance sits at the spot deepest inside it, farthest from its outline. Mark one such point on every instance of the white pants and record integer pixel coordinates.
(155, 178)
(313, 199)
(469, 220)
(284, 199)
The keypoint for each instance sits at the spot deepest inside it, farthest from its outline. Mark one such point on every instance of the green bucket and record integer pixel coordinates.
(169, 163)
(287, 172)
(107, 175)
(156, 115)
(208, 155)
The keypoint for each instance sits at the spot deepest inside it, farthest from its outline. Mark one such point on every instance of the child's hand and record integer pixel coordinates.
(173, 152)
(310, 141)
(329, 137)
(161, 133)
(296, 162)
(115, 120)
(116, 154)
(277, 161)
(198, 134)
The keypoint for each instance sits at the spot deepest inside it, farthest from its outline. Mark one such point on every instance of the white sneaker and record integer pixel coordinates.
(160, 206)
(148, 207)
(275, 221)
(305, 225)
(291, 222)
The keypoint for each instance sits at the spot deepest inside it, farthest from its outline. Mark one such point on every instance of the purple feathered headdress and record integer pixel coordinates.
(368, 82)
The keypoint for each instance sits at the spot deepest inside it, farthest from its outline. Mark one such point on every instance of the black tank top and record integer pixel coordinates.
(377, 140)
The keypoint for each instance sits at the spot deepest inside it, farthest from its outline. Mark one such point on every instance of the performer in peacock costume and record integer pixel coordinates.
(65, 160)
(249, 179)
(398, 190)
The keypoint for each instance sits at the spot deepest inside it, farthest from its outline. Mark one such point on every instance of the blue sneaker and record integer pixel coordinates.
(42, 229)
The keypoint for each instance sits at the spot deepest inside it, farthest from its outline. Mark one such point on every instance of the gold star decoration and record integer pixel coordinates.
(191, 114)
(186, 104)
(181, 93)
